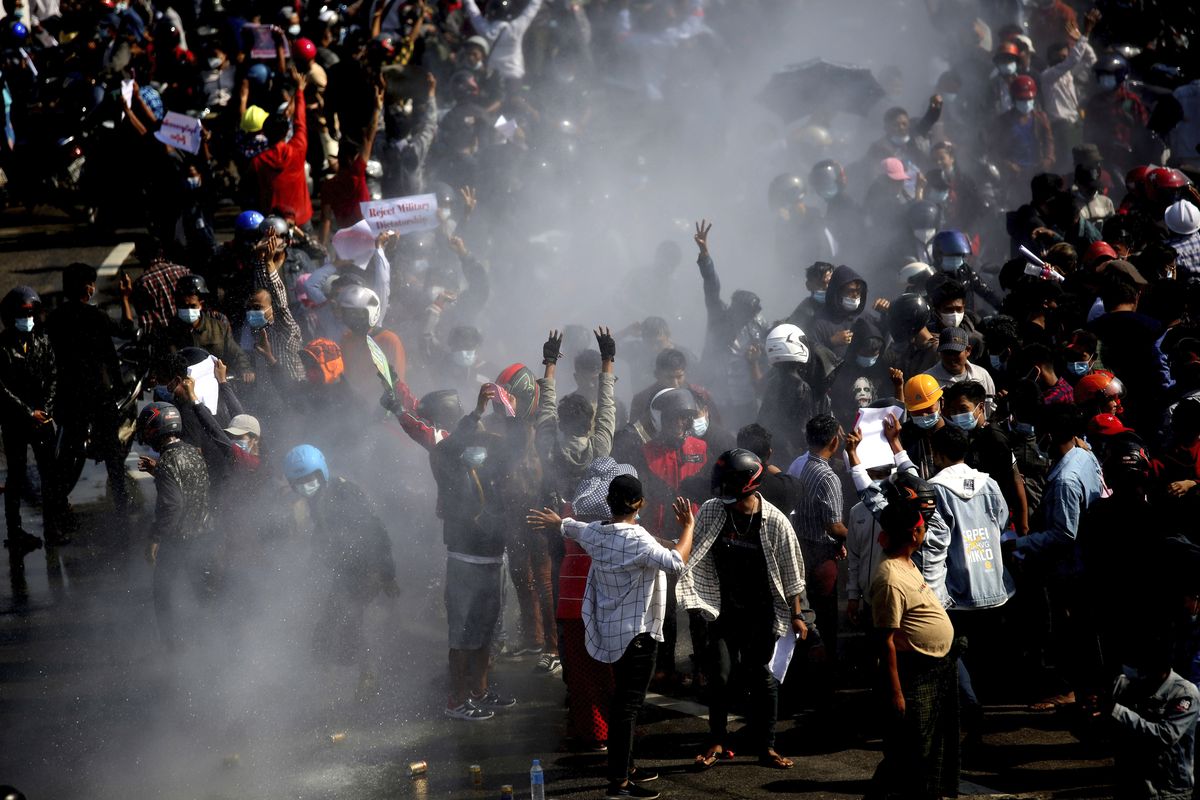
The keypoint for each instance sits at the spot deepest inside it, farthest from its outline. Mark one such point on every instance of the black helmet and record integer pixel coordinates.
(382, 47)
(907, 314)
(670, 403)
(736, 473)
(11, 793)
(785, 191)
(827, 178)
(503, 9)
(1112, 64)
(189, 285)
(442, 408)
(907, 489)
(924, 214)
(157, 420)
(1125, 460)
(446, 196)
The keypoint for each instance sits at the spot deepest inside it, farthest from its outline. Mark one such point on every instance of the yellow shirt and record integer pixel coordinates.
(901, 600)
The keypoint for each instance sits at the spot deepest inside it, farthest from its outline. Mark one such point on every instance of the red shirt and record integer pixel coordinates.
(671, 465)
(280, 171)
(342, 193)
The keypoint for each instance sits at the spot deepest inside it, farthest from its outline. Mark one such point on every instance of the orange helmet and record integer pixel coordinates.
(1097, 383)
(921, 392)
(1007, 49)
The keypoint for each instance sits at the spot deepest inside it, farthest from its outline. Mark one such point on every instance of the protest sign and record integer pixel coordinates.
(401, 214)
(181, 132)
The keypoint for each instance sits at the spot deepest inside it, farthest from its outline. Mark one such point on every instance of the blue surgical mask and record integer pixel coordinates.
(926, 421)
(24, 324)
(1079, 368)
(243, 444)
(866, 362)
(899, 140)
(965, 421)
(951, 263)
(189, 315)
(309, 488)
(463, 358)
(850, 303)
(256, 318)
(995, 361)
(1007, 68)
(699, 426)
(1107, 82)
(474, 456)
(818, 296)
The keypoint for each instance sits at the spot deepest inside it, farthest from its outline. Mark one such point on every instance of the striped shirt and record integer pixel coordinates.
(626, 592)
(820, 501)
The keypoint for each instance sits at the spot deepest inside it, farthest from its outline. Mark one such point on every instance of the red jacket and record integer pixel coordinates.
(280, 172)
(669, 468)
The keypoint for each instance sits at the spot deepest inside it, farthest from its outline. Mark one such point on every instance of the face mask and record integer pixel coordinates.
(1024, 106)
(729, 501)
(899, 140)
(949, 97)
(1023, 428)
(293, 30)
(952, 319)
(924, 235)
(866, 361)
(1007, 68)
(256, 318)
(926, 421)
(215, 62)
(951, 263)
(1079, 368)
(193, 182)
(850, 303)
(965, 421)
(939, 196)
(435, 292)
(24, 324)
(474, 456)
(819, 296)
(1107, 82)
(828, 192)
(699, 426)
(443, 214)
(243, 444)
(189, 315)
(995, 361)
(308, 489)
(463, 358)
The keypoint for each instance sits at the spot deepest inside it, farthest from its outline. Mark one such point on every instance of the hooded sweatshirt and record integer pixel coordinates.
(833, 317)
(973, 507)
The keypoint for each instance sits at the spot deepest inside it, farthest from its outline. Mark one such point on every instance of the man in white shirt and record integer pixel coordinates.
(1059, 92)
(505, 32)
(954, 350)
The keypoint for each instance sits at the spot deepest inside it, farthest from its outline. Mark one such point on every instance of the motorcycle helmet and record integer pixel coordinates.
(522, 389)
(785, 191)
(828, 179)
(360, 306)
(247, 222)
(305, 50)
(192, 284)
(907, 314)
(670, 403)
(157, 420)
(302, 461)
(441, 407)
(1111, 64)
(786, 343)
(736, 474)
(906, 489)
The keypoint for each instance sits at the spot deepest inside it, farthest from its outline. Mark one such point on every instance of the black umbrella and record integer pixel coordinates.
(820, 85)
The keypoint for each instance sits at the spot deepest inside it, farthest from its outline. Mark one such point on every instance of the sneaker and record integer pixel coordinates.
(19, 542)
(493, 700)
(642, 775)
(470, 712)
(524, 650)
(629, 790)
(548, 664)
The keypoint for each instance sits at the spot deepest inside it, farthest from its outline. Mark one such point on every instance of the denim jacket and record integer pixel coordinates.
(973, 508)
(1073, 484)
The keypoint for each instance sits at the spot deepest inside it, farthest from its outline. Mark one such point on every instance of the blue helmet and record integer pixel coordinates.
(303, 460)
(951, 243)
(248, 222)
(258, 74)
(18, 32)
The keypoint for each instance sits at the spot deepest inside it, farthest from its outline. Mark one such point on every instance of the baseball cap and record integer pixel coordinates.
(894, 168)
(953, 339)
(242, 424)
(481, 43)
(1125, 268)
(623, 493)
(1107, 425)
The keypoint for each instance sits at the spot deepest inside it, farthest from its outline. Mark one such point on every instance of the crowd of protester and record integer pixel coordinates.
(1014, 272)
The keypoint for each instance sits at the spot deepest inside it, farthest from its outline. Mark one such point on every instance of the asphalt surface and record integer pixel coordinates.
(91, 706)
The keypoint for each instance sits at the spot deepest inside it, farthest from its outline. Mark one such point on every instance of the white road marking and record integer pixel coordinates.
(115, 258)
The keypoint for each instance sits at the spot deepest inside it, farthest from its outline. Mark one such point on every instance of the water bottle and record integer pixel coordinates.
(537, 781)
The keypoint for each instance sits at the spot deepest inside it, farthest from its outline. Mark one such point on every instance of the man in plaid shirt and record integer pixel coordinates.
(746, 576)
(154, 293)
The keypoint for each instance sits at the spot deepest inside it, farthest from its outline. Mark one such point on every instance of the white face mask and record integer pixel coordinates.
(24, 324)
(952, 319)
(215, 62)
(293, 30)
(309, 488)
(851, 303)
(699, 426)
(463, 358)
(1107, 82)
(924, 235)
(1007, 68)
(189, 315)
(474, 456)
(952, 263)
(1024, 106)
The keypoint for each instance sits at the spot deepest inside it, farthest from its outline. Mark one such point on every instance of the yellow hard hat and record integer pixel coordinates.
(253, 119)
(921, 391)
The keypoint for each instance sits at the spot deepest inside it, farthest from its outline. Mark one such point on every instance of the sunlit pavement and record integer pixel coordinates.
(91, 706)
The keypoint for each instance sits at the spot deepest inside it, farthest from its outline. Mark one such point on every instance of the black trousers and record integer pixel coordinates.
(741, 645)
(104, 443)
(631, 678)
(19, 437)
(181, 565)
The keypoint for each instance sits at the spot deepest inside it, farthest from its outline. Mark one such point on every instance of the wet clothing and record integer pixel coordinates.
(181, 510)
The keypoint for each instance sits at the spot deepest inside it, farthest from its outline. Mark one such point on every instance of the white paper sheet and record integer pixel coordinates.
(874, 450)
(785, 648)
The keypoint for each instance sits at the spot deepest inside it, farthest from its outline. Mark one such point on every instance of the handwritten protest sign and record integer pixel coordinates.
(263, 45)
(401, 214)
(181, 132)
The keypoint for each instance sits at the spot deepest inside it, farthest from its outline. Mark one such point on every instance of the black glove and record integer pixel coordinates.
(551, 350)
(607, 344)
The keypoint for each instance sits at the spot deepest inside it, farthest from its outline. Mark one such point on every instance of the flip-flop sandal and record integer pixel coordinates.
(705, 762)
(1054, 703)
(775, 761)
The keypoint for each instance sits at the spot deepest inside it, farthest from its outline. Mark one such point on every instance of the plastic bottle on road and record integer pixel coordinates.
(537, 781)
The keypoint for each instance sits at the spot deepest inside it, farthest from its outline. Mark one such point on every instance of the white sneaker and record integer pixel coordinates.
(470, 712)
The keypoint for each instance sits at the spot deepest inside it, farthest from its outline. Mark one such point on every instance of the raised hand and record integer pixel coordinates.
(606, 343)
(552, 349)
(701, 235)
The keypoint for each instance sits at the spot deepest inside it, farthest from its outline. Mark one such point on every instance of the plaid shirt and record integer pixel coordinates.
(1187, 259)
(1060, 392)
(154, 294)
(626, 591)
(283, 333)
(699, 586)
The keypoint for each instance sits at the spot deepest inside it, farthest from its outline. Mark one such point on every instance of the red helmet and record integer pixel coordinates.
(1007, 49)
(304, 49)
(521, 388)
(1022, 87)
(1095, 384)
(1165, 184)
(1135, 180)
(1098, 251)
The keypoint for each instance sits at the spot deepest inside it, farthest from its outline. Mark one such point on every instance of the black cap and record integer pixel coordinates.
(953, 339)
(624, 492)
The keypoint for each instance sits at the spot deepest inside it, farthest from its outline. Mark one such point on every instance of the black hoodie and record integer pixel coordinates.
(832, 318)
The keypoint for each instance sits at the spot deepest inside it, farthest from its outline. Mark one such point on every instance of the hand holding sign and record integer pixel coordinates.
(181, 132)
(401, 214)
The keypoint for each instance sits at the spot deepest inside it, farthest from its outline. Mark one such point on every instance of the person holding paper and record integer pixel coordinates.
(746, 577)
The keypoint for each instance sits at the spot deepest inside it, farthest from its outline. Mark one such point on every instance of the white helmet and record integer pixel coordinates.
(786, 343)
(1182, 217)
(914, 270)
(361, 298)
